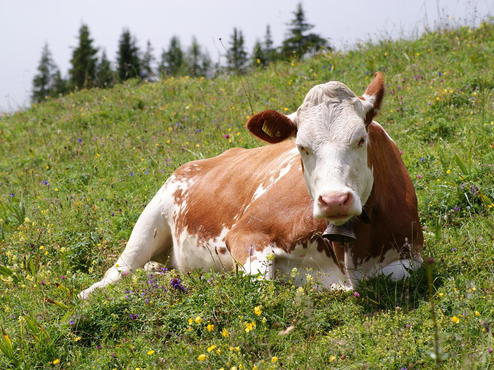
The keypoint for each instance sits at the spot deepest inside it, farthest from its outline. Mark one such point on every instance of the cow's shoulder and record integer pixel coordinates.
(221, 188)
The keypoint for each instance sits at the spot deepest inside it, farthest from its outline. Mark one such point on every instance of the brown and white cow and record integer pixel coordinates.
(264, 210)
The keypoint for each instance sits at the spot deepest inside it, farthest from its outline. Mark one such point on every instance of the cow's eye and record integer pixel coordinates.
(303, 149)
(361, 142)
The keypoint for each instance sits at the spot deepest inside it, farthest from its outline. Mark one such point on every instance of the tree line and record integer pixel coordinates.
(90, 67)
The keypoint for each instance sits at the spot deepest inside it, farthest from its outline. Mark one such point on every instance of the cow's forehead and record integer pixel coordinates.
(332, 90)
(331, 111)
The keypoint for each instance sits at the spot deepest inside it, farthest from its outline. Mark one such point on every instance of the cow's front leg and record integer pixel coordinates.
(149, 239)
(252, 253)
(260, 261)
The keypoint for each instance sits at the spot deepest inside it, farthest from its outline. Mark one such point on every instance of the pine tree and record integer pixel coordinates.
(44, 80)
(198, 63)
(236, 55)
(128, 60)
(269, 49)
(60, 84)
(148, 60)
(105, 76)
(172, 60)
(258, 55)
(83, 71)
(298, 43)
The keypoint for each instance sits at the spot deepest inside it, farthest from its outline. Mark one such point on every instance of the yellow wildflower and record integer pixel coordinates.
(455, 319)
(258, 310)
(210, 327)
(202, 357)
(212, 348)
(477, 313)
(225, 332)
(198, 319)
(249, 326)
(190, 321)
(150, 352)
(332, 358)
(56, 361)
(274, 359)
(77, 339)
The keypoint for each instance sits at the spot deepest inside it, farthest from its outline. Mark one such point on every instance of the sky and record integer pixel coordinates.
(26, 25)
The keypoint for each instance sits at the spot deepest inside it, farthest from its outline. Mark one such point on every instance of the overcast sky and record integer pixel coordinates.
(26, 25)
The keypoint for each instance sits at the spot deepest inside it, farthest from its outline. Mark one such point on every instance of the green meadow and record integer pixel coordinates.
(76, 172)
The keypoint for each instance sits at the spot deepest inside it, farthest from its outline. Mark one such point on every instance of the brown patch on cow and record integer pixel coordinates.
(392, 206)
(376, 89)
(271, 126)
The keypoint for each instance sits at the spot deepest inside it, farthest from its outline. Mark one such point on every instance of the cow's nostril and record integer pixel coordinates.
(345, 198)
(338, 200)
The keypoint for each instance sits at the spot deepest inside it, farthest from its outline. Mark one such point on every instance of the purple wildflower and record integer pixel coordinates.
(71, 322)
(489, 349)
(356, 294)
(12, 195)
(422, 159)
(177, 284)
(439, 74)
(474, 190)
(131, 173)
(63, 277)
(226, 136)
(45, 182)
(99, 346)
(133, 316)
(453, 249)
(456, 209)
(79, 140)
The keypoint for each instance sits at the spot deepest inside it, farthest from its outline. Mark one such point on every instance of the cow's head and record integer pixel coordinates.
(330, 131)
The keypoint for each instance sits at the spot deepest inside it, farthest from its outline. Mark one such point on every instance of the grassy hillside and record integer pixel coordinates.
(76, 172)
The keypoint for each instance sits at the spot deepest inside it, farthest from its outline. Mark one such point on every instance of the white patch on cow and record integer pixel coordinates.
(330, 127)
(389, 264)
(273, 262)
(191, 253)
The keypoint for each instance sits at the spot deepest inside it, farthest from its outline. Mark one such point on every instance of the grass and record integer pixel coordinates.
(76, 172)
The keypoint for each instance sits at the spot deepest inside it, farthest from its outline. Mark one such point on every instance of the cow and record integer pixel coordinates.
(328, 197)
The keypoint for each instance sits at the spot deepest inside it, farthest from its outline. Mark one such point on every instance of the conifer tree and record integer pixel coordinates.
(128, 60)
(198, 63)
(172, 59)
(44, 80)
(298, 42)
(84, 59)
(60, 84)
(236, 55)
(258, 55)
(148, 60)
(105, 76)
(269, 50)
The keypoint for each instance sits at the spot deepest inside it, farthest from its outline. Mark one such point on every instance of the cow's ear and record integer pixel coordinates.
(272, 126)
(374, 96)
